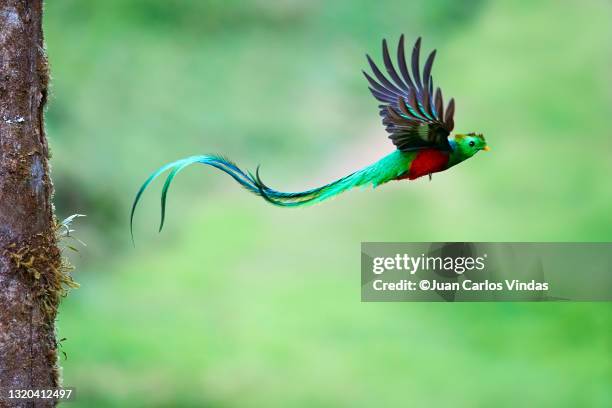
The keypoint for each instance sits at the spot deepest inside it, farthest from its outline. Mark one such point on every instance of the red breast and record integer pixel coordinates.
(426, 162)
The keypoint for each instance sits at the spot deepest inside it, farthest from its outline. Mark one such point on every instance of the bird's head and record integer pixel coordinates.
(469, 143)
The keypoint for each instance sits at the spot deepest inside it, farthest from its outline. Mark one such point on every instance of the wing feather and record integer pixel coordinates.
(391, 69)
(381, 89)
(381, 96)
(450, 111)
(382, 79)
(432, 98)
(408, 111)
(416, 50)
(412, 113)
(401, 60)
(439, 103)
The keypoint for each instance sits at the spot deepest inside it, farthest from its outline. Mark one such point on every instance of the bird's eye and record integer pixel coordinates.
(472, 143)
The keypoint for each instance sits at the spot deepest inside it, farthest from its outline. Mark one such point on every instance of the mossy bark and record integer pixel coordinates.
(30, 261)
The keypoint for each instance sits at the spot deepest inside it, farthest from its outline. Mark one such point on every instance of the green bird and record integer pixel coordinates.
(414, 116)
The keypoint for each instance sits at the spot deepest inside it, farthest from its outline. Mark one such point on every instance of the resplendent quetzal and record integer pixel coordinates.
(415, 118)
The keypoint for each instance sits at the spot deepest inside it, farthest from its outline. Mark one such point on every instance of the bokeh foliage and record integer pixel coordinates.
(238, 303)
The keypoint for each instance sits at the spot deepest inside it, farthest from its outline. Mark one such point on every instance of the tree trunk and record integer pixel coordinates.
(31, 273)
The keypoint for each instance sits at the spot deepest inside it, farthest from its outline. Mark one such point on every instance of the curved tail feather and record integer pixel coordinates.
(371, 174)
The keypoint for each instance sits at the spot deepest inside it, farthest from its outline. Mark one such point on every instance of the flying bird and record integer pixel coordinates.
(414, 115)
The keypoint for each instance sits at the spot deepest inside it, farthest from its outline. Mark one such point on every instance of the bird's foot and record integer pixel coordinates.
(429, 176)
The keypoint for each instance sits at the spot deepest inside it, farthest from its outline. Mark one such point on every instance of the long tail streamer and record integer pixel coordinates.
(254, 184)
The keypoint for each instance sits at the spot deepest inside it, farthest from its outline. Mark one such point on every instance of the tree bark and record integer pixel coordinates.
(30, 261)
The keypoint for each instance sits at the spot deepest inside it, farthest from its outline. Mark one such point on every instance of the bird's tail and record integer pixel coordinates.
(253, 183)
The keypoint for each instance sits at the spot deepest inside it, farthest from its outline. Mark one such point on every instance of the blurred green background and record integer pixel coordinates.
(238, 303)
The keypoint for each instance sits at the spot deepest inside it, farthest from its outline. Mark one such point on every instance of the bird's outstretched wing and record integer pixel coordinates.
(412, 113)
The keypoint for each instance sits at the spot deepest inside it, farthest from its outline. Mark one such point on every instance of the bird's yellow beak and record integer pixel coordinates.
(486, 148)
